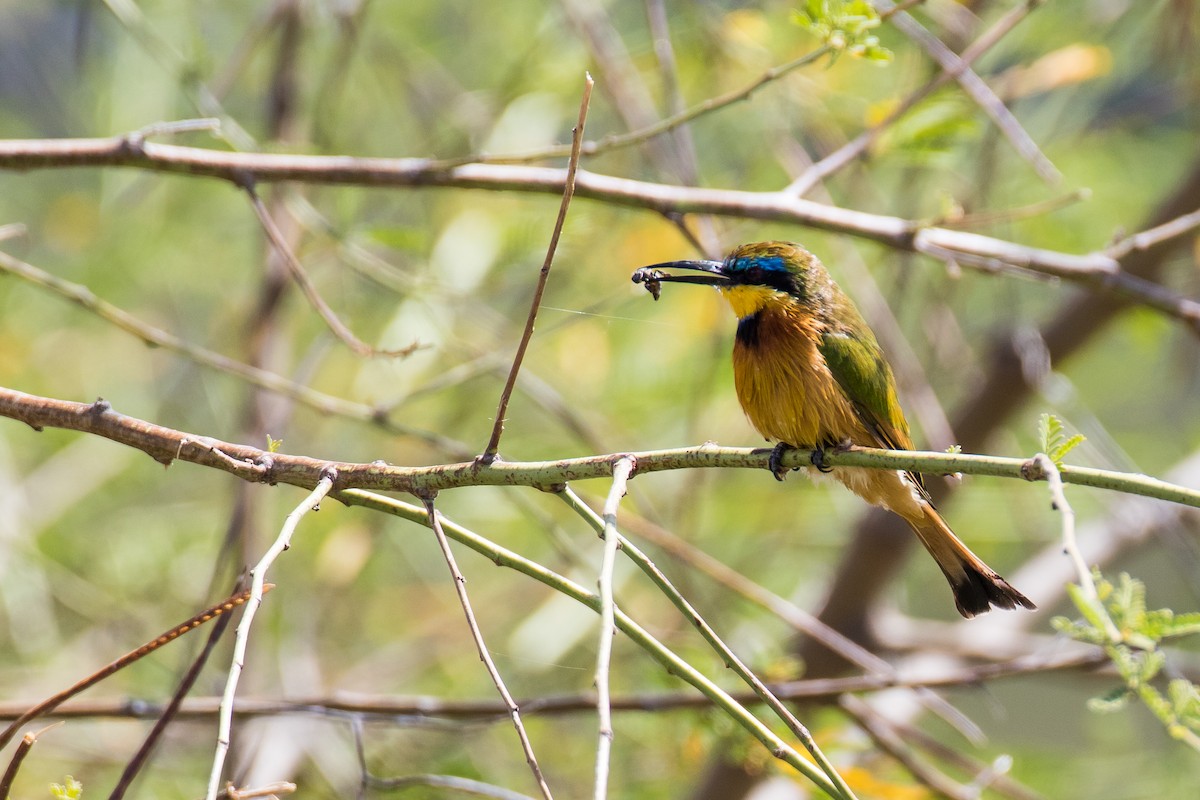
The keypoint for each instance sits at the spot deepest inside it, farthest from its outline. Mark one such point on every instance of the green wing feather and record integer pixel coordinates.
(858, 365)
(856, 362)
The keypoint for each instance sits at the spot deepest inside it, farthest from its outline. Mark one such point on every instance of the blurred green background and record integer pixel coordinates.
(100, 548)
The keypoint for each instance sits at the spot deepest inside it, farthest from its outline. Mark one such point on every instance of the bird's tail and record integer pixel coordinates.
(976, 586)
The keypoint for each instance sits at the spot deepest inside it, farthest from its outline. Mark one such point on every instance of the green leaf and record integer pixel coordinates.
(1090, 611)
(844, 27)
(1115, 700)
(1181, 624)
(1078, 631)
(1185, 700)
(1054, 445)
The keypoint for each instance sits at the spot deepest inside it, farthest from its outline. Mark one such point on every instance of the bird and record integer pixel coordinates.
(810, 373)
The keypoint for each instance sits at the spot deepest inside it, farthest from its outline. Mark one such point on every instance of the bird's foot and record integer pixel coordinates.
(775, 462)
(818, 454)
(818, 459)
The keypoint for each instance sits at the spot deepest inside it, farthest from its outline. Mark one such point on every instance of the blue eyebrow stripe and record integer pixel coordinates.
(768, 263)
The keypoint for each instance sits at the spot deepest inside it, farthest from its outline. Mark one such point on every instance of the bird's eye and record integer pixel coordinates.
(754, 275)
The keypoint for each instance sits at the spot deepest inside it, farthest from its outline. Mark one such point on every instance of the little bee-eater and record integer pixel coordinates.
(809, 373)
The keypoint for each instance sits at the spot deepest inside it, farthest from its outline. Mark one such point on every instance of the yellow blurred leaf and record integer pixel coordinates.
(1066, 66)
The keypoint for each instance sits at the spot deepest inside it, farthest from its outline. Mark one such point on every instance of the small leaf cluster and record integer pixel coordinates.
(1135, 651)
(1055, 443)
(844, 26)
(72, 790)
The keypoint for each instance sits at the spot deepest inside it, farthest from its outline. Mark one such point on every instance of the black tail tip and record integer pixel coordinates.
(979, 592)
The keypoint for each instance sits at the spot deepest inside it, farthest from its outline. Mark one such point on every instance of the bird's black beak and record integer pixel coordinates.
(653, 275)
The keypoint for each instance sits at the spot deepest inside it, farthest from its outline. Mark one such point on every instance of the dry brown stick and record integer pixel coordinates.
(1096, 269)
(172, 708)
(171, 635)
(430, 707)
(489, 452)
(14, 764)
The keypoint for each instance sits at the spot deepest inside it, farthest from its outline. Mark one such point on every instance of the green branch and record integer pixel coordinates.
(166, 445)
(660, 652)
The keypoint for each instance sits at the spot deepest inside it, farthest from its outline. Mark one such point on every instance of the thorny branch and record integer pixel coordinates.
(253, 464)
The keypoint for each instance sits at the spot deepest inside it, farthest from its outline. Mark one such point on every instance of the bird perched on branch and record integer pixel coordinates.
(809, 373)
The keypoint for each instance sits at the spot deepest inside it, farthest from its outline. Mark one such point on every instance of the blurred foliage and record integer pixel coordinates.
(101, 547)
(1133, 637)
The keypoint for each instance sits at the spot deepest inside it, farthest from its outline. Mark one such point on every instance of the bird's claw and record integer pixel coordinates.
(819, 456)
(775, 462)
(818, 459)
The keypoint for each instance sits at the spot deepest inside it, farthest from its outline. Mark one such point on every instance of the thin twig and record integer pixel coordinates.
(319, 401)
(730, 658)
(308, 289)
(460, 586)
(977, 89)
(1058, 501)
(1084, 659)
(489, 453)
(18, 757)
(166, 637)
(171, 710)
(257, 589)
(1036, 209)
(1180, 226)
(665, 656)
(174, 64)
(454, 782)
(955, 67)
(608, 629)
(889, 742)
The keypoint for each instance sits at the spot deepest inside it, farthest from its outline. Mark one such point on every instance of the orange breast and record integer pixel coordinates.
(784, 386)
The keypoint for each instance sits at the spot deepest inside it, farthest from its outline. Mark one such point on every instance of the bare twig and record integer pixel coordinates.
(490, 452)
(169, 713)
(460, 586)
(954, 69)
(889, 742)
(257, 589)
(453, 782)
(608, 629)
(1053, 477)
(319, 401)
(1180, 226)
(308, 289)
(730, 658)
(19, 755)
(974, 86)
(1083, 659)
(166, 637)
